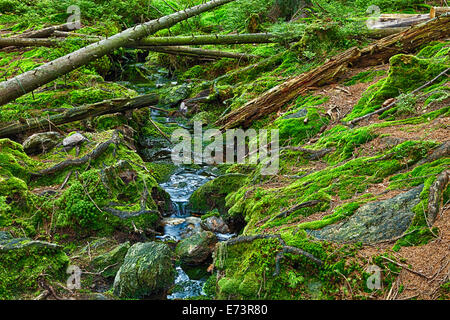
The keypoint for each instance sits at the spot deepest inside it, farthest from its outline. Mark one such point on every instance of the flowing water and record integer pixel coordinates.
(181, 224)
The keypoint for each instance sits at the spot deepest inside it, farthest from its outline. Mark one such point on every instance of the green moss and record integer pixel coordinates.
(213, 193)
(344, 181)
(295, 129)
(406, 73)
(345, 141)
(364, 77)
(21, 269)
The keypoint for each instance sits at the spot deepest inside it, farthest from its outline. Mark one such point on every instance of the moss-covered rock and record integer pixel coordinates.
(377, 221)
(111, 261)
(23, 261)
(147, 271)
(196, 249)
(41, 142)
(213, 193)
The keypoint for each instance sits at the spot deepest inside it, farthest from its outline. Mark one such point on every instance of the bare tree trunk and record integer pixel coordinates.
(217, 39)
(196, 52)
(155, 41)
(438, 11)
(46, 32)
(376, 53)
(31, 80)
(79, 113)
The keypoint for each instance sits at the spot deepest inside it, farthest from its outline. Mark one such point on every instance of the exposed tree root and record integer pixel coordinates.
(435, 196)
(312, 154)
(97, 152)
(285, 250)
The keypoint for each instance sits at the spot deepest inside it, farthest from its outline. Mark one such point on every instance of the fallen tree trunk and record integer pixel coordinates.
(217, 39)
(79, 113)
(155, 41)
(31, 80)
(197, 52)
(46, 32)
(374, 54)
(398, 21)
(438, 11)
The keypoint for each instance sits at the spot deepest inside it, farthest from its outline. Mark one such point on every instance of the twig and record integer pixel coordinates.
(406, 268)
(160, 131)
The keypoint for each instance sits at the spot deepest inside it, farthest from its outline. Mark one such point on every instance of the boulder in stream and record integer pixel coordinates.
(147, 271)
(196, 249)
(215, 224)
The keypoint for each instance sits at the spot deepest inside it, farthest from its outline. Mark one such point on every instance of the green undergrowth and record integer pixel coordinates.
(21, 270)
(406, 73)
(247, 270)
(303, 121)
(344, 181)
(117, 179)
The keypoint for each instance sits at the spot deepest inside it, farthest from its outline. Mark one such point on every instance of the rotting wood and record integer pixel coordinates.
(79, 113)
(374, 54)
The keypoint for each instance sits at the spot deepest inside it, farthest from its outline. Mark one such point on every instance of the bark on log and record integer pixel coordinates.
(156, 41)
(438, 11)
(217, 39)
(398, 21)
(46, 32)
(79, 113)
(374, 54)
(31, 80)
(197, 52)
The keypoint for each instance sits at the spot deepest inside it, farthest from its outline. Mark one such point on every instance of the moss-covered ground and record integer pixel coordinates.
(93, 208)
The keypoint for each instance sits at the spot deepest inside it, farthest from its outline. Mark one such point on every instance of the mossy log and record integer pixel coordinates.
(79, 113)
(377, 53)
(46, 32)
(33, 79)
(398, 21)
(197, 52)
(154, 41)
